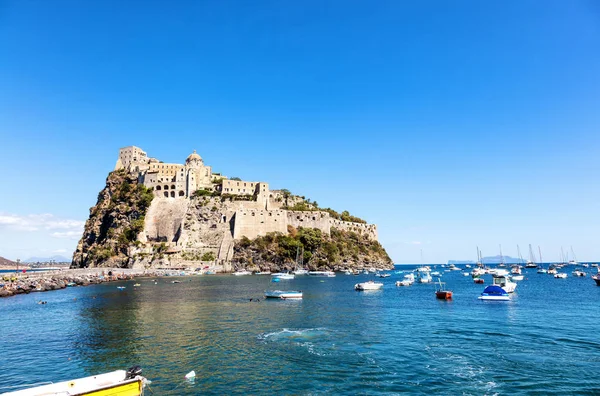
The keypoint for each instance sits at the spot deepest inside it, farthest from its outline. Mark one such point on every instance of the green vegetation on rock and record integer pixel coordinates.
(343, 249)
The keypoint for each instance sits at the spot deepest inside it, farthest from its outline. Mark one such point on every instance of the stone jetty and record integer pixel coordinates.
(13, 283)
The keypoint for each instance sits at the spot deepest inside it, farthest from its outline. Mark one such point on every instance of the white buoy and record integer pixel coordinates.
(190, 375)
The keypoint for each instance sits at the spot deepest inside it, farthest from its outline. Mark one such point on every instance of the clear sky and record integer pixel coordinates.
(450, 125)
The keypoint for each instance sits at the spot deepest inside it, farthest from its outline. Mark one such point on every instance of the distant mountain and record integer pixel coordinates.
(7, 263)
(498, 259)
(58, 259)
(460, 262)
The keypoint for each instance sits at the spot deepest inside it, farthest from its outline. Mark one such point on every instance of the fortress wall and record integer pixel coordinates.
(258, 222)
(164, 219)
(370, 230)
(318, 220)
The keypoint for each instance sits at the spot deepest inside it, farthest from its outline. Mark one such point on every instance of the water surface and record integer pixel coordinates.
(334, 341)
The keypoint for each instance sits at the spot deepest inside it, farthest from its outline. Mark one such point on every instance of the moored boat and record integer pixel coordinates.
(116, 383)
(596, 279)
(242, 272)
(328, 274)
(370, 285)
(494, 293)
(500, 278)
(283, 275)
(560, 275)
(442, 293)
(478, 280)
(284, 294)
(408, 280)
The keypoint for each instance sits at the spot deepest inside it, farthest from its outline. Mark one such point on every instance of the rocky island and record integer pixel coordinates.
(157, 215)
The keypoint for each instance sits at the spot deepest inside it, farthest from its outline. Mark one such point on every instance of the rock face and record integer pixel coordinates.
(114, 223)
(131, 227)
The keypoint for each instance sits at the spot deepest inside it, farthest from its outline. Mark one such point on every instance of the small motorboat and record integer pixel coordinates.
(517, 277)
(121, 287)
(578, 273)
(137, 285)
(382, 275)
(120, 382)
(479, 280)
(542, 271)
(494, 293)
(466, 274)
(560, 275)
(408, 280)
(596, 279)
(283, 275)
(370, 285)
(328, 274)
(284, 294)
(441, 293)
(71, 284)
(242, 272)
(301, 272)
(264, 273)
(175, 281)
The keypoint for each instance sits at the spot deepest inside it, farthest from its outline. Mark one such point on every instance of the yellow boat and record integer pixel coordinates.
(116, 383)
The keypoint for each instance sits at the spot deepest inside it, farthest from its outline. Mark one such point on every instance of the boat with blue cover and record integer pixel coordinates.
(494, 293)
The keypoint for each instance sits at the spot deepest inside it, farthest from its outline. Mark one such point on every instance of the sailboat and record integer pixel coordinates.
(299, 263)
(574, 260)
(502, 264)
(531, 262)
(516, 269)
(541, 269)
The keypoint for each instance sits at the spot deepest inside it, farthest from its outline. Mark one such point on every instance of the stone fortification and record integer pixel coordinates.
(195, 216)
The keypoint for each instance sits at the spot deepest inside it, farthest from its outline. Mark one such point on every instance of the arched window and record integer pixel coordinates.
(166, 187)
(181, 193)
(157, 188)
(172, 194)
(173, 187)
(166, 194)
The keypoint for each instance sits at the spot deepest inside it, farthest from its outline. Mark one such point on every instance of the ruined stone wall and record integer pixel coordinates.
(318, 220)
(257, 222)
(370, 230)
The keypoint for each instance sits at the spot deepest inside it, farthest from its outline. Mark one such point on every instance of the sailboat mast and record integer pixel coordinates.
(501, 256)
(540, 250)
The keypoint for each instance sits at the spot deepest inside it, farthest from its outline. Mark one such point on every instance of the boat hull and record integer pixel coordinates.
(494, 298)
(596, 279)
(109, 384)
(284, 295)
(443, 295)
(368, 286)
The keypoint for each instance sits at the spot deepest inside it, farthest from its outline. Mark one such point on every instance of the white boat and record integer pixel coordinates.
(517, 277)
(370, 285)
(408, 280)
(500, 278)
(453, 267)
(328, 274)
(560, 275)
(542, 271)
(494, 293)
(436, 273)
(283, 275)
(284, 294)
(300, 263)
(379, 275)
(468, 266)
(300, 272)
(119, 382)
(242, 272)
(466, 274)
(424, 277)
(264, 273)
(578, 273)
(347, 272)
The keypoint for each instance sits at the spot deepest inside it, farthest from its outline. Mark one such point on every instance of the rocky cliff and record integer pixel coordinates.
(129, 227)
(113, 228)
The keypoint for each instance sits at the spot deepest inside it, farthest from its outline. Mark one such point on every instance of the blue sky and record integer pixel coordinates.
(448, 124)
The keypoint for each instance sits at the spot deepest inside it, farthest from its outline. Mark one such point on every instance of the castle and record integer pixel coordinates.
(253, 210)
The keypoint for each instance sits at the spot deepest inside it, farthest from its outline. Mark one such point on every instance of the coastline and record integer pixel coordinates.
(12, 284)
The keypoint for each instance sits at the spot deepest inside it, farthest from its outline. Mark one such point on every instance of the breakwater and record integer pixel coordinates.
(22, 283)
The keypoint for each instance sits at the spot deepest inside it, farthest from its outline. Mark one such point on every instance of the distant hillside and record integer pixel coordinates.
(7, 263)
(58, 259)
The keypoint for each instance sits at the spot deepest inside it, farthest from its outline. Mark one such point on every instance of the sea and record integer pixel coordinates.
(336, 340)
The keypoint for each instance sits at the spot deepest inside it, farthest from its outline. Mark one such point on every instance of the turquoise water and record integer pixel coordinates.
(334, 341)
